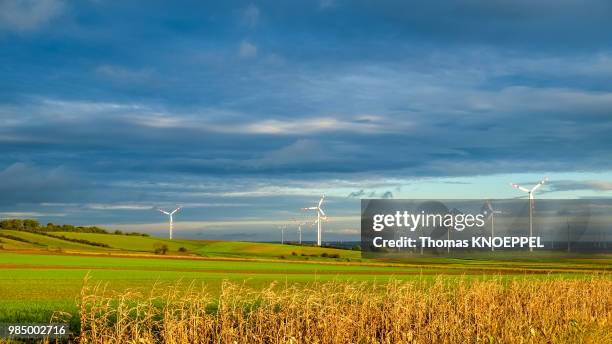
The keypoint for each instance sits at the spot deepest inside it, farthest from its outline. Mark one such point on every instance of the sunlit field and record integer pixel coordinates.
(42, 278)
(459, 310)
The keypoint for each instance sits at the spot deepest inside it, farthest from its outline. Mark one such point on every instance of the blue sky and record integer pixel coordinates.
(246, 111)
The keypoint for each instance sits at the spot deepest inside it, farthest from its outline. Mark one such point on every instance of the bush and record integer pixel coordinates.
(334, 255)
(160, 248)
(356, 248)
(293, 254)
(324, 255)
(12, 237)
(182, 249)
(80, 241)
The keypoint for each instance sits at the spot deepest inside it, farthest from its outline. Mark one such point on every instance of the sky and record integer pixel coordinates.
(244, 112)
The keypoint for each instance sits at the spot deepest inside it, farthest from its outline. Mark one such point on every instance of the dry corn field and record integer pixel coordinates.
(444, 311)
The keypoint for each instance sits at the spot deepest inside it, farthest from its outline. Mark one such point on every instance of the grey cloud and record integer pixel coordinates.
(23, 183)
(571, 185)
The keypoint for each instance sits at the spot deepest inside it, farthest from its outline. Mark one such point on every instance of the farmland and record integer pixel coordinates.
(44, 273)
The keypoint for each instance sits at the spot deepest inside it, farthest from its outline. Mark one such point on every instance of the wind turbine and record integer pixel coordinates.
(320, 215)
(170, 215)
(282, 229)
(299, 228)
(531, 198)
(492, 213)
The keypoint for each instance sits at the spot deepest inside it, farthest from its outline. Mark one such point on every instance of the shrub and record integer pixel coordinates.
(293, 254)
(160, 248)
(182, 249)
(80, 241)
(324, 255)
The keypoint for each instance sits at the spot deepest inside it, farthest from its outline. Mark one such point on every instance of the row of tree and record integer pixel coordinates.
(34, 226)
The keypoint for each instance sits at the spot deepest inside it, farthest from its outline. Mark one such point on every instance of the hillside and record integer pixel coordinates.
(117, 243)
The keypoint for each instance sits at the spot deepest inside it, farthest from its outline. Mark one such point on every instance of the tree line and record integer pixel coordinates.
(29, 225)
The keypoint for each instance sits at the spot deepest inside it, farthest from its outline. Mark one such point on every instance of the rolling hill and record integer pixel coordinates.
(118, 243)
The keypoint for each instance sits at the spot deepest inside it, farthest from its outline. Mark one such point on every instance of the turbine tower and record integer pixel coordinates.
(170, 216)
(282, 229)
(530, 192)
(320, 215)
(492, 212)
(299, 229)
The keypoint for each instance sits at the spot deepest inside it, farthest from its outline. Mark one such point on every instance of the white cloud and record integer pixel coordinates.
(101, 206)
(28, 15)
(28, 214)
(247, 50)
(373, 124)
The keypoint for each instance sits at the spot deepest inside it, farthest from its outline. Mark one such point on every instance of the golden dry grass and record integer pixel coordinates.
(445, 311)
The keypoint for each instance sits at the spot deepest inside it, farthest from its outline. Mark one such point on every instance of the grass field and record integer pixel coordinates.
(40, 275)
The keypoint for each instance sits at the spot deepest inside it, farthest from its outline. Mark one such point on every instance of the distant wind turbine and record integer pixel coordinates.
(170, 216)
(320, 215)
(282, 229)
(530, 192)
(489, 209)
(299, 228)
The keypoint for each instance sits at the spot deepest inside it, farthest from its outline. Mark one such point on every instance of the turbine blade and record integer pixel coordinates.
(321, 211)
(163, 212)
(538, 185)
(175, 210)
(321, 200)
(516, 186)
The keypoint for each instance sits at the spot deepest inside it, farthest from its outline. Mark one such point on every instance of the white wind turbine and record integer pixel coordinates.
(299, 228)
(282, 229)
(492, 213)
(170, 215)
(530, 192)
(320, 215)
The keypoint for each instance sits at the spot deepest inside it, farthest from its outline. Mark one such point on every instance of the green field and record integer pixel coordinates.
(41, 274)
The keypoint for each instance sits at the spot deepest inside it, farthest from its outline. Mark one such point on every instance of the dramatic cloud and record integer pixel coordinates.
(247, 112)
(23, 183)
